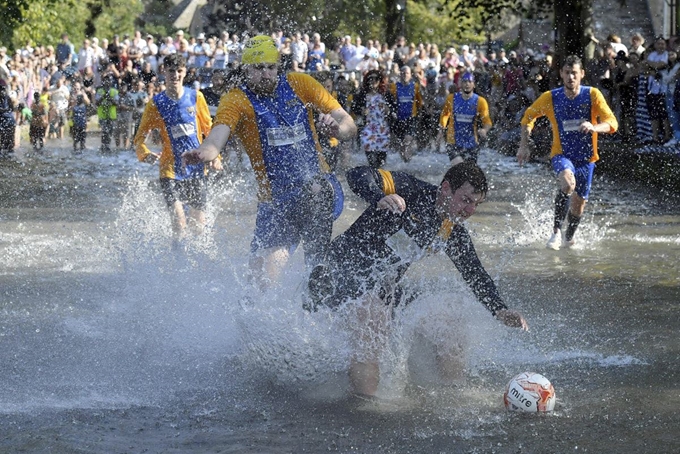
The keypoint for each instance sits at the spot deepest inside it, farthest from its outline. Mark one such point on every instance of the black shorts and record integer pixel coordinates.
(192, 191)
(403, 128)
(468, 154)
(656, 107)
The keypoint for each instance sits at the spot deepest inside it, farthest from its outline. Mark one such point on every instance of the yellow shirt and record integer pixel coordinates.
(236, 112)
(151, 119)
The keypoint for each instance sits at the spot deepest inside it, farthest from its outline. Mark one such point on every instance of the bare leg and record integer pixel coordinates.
(406, 149)
(179, 221)
(369, 335)
(198, 220)
(266, 267)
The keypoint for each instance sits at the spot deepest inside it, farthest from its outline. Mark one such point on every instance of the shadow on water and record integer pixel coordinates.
(111, 344)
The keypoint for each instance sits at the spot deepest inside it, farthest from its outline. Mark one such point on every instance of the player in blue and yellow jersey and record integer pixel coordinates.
(406, 103)
(183, 119)
(407, 219)
(272, 113)
(460, 117)
(577, 114)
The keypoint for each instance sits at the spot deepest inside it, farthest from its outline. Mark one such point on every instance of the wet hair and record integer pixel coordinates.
(572, 60)
(467, 171)
(175, 61)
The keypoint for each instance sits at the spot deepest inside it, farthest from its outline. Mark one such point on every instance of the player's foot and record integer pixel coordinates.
(555, 241)
(566, 244)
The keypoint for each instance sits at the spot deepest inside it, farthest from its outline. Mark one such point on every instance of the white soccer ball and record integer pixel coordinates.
(529, 392)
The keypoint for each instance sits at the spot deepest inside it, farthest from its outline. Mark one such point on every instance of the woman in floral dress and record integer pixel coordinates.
(375, 135)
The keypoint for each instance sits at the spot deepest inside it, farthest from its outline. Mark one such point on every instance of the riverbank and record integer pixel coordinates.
(655, 166)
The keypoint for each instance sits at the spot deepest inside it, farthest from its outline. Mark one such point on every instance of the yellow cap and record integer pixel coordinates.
(260, 49)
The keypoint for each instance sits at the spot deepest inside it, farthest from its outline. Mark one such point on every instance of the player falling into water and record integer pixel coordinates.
(577, 114)
(367, 261)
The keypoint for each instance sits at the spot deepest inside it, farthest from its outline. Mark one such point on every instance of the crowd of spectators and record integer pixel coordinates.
(638, 82)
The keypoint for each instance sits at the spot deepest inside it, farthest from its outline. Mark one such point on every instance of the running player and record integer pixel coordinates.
(460, 116)
(407, 219)
(182, 116)
(298, 196)
(577, 114)
(407, 102)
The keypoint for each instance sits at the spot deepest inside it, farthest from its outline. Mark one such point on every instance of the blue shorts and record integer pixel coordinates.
(301, 217)
(583, 172)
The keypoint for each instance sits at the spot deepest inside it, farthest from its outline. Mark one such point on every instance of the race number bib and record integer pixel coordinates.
(572, 125)
(288, 135)
(183, 130)
(464, 118)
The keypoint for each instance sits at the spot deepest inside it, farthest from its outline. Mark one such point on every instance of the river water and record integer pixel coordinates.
(110, 343)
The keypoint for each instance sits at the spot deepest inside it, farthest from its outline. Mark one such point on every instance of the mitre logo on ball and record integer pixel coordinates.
(529, 392)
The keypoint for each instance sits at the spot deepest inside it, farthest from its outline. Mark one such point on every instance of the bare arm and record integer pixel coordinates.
(211, 146)
(346, 127)
(524, 151)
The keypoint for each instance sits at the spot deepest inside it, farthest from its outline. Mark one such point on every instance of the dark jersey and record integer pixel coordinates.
(379, 246)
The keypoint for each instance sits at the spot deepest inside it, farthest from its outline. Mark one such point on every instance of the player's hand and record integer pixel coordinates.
(523, 154)
(326, 125)
(393, 203)
(152, 158)
(586, 127)
(192, 157)
(482, 134)
(216, 164)
(512, 319)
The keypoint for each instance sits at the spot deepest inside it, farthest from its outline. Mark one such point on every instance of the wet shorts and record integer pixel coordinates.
(583, 173)
(468, 154)
(192, 191)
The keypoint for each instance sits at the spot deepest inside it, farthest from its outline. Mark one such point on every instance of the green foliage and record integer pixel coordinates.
(40, 18)
(117, 17)
(43, 21)
(439, 21)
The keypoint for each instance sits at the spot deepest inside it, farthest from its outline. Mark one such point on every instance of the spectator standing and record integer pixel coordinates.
(60, 95)
(140, 97)
(86, 57)
(64, 51)
(39, 123)
(150, 52)
(126, 108)
(347, 52)
(625, 81)
(7, 120)
(657, 60)
(79, 118)
(167, 48)
(637, 44)
(300, 52)
(201, 51)
(234, 49)
(669, 79)
(106, 98)
(113, 51)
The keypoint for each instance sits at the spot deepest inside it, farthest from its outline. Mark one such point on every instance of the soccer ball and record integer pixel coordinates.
(529, 392)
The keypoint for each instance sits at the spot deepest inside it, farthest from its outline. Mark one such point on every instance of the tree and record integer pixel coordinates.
(43, 21)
